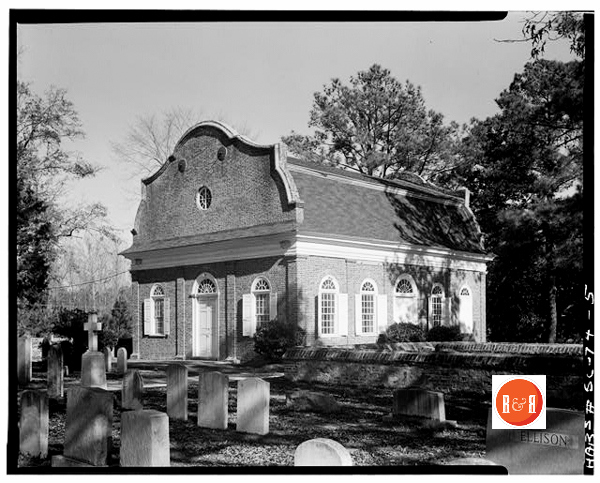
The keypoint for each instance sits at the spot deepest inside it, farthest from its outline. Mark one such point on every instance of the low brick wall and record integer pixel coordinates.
(445, 367)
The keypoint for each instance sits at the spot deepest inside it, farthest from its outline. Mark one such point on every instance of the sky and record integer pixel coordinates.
(258, 75)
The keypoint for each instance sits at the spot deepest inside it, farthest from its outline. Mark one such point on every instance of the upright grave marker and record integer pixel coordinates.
(253, 406)
(33, 428)
(93, 365)
(55, 375)
(213, 395)
(88, 432)
(108, 359)
(92, 326)
(177, 391)
(133, 390)
(145, 438)
(420, 403)
(321, 452)
(121, 360)
(558, 449)
(24, 361)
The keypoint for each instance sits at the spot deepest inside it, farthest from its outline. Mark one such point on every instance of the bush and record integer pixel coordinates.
(275, 337)
(444, 334)
(402, 332)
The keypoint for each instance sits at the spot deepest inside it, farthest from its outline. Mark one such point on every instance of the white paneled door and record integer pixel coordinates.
(205, 330)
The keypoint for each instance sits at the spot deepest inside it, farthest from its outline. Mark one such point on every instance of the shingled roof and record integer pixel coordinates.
(409, 211)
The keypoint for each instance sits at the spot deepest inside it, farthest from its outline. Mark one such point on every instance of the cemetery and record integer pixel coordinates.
(305, 410)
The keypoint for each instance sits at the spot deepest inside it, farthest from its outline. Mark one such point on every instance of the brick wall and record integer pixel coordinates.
(350, 275)
(440, 367)
(233, 279)
(245, 189)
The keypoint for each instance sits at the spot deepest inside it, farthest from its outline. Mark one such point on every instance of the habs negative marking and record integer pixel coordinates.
(546, 439)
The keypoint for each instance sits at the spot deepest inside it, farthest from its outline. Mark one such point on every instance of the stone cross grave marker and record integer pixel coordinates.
(33, 428)
(558, 449)
(420, 403)
(213, 395)
(132, 391)
(88, 431)
(121, 360)
(92, 326)
(177, 391)
(321, 452)
(55, 373)
(145, 438)
(253, 406)
(24, 361)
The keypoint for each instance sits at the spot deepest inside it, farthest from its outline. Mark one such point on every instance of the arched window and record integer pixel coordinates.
(156, 312)
(259, 306)
(206, 287)
(158, 298)
(465, 312)
(437, 304)
(405, 300)
(261, 290)
(368, 307)
(328, 291)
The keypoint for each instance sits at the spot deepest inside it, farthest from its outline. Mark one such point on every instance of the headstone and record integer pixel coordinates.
(177, 391)
(419, 402)
(558, 449)
(88, 431)
(253, 406)
(303, 400)
(145, 438)
(121, 360)
(93, 370)
(33, 428)
(92, 326)
(55, 376)
(24, 361)
(133, 390)
(213, 395)
(108, 359)
(321, 452)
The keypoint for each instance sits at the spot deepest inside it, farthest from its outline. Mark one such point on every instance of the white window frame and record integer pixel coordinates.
(335, 302)
(271, 301)
(360, 308)
(150, 321)
(433, 303)
(414, 296)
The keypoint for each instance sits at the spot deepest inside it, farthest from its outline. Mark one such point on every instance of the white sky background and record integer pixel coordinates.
(258, 75)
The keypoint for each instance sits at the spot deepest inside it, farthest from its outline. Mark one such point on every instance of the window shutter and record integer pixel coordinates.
(342, 313)
(319, 316)
(148, 306)
(167, 315)
(358, 314)
(430, 311)
(248, 319)
(448, 310)
(382, 317)
(273, 306)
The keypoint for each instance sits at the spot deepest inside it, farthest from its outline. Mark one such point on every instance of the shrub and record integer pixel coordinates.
(402, 332)
(275, 337)
(444, 334)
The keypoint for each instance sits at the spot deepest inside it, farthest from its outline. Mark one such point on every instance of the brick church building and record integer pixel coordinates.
(230, 234)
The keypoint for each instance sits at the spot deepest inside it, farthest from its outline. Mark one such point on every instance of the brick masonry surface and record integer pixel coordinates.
(439, 367)
(169, 210)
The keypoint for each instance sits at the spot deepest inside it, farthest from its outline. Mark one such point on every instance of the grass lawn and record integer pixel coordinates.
(360, 426)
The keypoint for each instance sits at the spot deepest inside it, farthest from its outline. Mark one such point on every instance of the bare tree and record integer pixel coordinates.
(151, 139)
